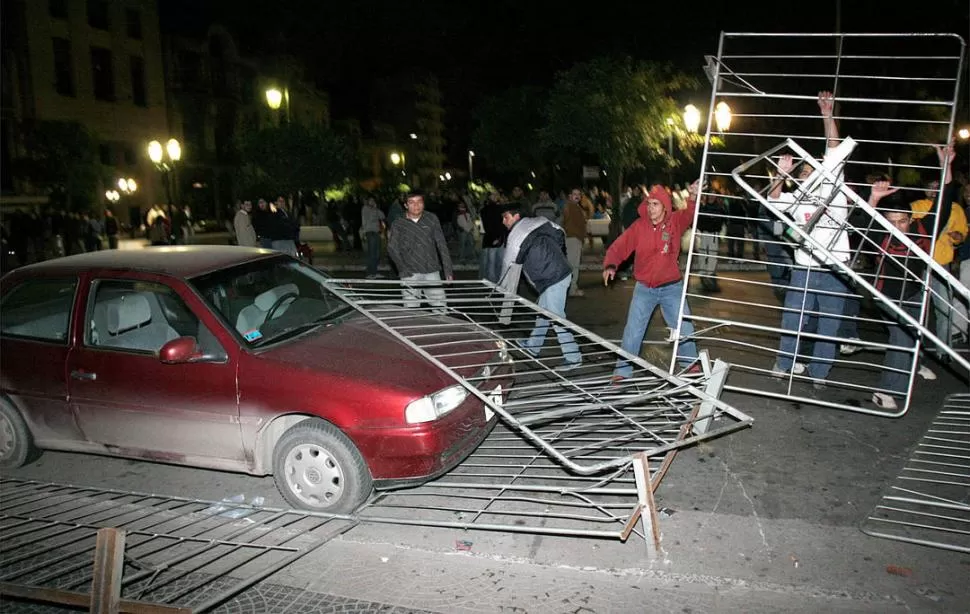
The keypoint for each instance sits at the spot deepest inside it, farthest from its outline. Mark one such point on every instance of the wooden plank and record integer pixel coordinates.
(109, 562)
(83, 600)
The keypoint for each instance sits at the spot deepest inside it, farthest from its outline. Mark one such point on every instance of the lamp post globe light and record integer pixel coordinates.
(164, 159)
(692, 118)
(471, 166)
(274, 98)
(722, 116)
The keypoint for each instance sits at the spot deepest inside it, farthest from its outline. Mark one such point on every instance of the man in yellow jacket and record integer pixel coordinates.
(951, 231)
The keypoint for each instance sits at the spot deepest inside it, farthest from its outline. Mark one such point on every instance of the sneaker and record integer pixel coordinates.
(848, 349)
(926, 373)
(797, 369)
(569, 366)
(883, 401)
(523, 344)
(577, 293)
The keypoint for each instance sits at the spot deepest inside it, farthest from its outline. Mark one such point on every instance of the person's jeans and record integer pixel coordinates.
(373, 252)
(707, 251)
(574, 253)
(812, 290)
(960, 317)
(433, 293)
(899, 363)
(287, 246)
(466, 246)
(941, 299)
(642, 305)
(490, 265)
(849, 329)
(553, 299)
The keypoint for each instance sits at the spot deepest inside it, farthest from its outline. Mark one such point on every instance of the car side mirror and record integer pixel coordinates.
(180, 351)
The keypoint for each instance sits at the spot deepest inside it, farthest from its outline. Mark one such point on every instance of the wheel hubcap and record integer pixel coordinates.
(7, 438)
(314, 476)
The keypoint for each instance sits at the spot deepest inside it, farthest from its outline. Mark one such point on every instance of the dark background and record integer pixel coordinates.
(478, 48)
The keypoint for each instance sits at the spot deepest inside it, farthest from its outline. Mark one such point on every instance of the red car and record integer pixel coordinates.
(237, 359)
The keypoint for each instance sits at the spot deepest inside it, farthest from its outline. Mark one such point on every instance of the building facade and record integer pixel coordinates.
(94, 62)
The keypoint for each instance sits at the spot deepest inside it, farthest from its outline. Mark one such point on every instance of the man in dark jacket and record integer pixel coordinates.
(539, 246)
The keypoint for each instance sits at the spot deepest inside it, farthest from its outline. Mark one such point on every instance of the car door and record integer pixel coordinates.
(127, 399)
(35, 339)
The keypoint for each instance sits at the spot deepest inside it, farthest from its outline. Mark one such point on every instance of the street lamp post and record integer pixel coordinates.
(471, 166)
(275, 98)
(722, 116)
(164, 165)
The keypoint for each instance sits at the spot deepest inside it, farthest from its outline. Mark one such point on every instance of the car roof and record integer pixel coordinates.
(183, 261)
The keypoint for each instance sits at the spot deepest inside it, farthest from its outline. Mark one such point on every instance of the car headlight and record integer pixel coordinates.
(435, 405)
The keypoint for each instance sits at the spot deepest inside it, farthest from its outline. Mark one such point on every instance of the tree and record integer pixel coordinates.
(617, 110)
(61, 159)
(507, 129)
(289, 158)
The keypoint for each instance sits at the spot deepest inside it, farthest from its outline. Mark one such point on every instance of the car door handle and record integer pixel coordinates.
(84, 375)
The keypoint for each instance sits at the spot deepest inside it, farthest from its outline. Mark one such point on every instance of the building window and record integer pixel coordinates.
(138, 94)
(133, 19)
(98, 14)
(102, 73)
(104, 153)
(57, 9)
(63, 67)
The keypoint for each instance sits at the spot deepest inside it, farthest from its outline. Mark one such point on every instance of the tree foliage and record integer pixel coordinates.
(62, 160)
(616, 109)
(289, 158)
(507, 129)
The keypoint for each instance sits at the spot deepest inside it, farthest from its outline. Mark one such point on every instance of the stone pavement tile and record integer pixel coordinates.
(469, 583)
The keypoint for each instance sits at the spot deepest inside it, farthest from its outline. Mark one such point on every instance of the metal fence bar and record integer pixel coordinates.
(773, 81)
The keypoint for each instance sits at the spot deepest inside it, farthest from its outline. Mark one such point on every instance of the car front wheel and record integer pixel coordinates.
(317, 468)
(16, 445)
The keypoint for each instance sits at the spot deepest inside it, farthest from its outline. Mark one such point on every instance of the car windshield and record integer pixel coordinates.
(269, 301)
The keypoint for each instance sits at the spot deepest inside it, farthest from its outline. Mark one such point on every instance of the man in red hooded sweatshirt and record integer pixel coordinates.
(655, 237)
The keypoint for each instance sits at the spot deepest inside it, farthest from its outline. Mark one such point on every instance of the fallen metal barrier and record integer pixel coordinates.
(929, 504)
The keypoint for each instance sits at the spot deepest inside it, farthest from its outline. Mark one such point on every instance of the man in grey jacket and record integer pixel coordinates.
(243, 225)
(418, 248)
(539, 246)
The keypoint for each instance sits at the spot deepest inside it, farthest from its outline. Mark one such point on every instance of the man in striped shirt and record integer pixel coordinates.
(418, 248)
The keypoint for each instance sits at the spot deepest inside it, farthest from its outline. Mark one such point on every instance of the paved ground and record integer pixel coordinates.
(763, 520)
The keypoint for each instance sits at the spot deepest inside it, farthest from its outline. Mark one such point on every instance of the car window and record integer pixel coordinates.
(39, 309)
(265, 299)
(142, 316)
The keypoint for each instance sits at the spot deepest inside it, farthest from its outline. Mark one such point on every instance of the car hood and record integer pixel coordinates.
(360, 348)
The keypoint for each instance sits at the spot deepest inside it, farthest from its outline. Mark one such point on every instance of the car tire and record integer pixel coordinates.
(318, 468)
(16, 444)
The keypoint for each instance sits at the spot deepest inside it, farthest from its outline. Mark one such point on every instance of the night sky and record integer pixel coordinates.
(476, 48)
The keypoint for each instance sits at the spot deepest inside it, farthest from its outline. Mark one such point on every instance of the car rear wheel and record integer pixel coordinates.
(317, 468)
(16, 445)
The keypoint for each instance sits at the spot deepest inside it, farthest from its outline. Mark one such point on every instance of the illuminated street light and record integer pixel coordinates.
(274, 98)
(471, 166)
(448, 176)
(396, 158)
(722, 116)
(165, 166)
(692, 118)
(155, 152)
(174, 150)
(112, 195)
(964, 133)
(132, 186)
(414, 137)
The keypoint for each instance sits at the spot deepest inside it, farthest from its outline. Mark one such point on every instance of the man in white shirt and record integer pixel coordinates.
(814, 287)
(243, 225)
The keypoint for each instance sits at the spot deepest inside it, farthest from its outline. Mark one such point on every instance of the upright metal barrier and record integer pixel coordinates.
(896, 99)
